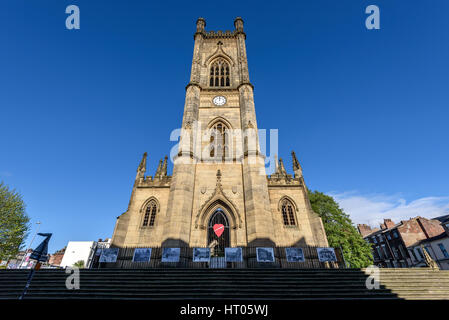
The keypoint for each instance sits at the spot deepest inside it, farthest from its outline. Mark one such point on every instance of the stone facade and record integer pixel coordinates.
(223, 172)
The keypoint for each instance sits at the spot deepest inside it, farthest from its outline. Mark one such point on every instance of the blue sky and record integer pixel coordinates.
(365, 111)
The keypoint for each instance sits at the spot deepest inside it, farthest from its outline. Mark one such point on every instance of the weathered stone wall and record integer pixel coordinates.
(198, 185)
(129, 230)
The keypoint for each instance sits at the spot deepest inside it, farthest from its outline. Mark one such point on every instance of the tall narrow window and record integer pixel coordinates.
(219, 74)
(284, 215)
(212, 148)
(420, 254)
(443, 250)
(150, 214)
(219, 141)
(291, 216)
(288, 215)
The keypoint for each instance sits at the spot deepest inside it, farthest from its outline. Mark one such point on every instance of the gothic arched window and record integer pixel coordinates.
(288, 213)
(219, 74)
(219, 141)
(150, 214)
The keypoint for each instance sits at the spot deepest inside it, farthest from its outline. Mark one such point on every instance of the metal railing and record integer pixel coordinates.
(249, 260)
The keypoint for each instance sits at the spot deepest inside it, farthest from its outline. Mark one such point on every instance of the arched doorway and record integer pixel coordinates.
(216, 241)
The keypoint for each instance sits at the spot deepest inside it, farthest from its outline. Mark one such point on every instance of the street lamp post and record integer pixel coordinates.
(29, 247)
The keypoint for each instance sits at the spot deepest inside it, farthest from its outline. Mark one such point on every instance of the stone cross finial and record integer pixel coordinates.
(142, 167)
(200, 24)
(143, 164)
(296, 166)
(238, 24)
(159, 169)
(281, 167)
(164, 167)
(295, 162)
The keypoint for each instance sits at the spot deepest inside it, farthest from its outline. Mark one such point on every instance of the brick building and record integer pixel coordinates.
(393, 244)
(437, 247)
(444, 223)
(56, 258)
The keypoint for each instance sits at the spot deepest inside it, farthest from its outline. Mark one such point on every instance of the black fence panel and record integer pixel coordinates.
(249, 260)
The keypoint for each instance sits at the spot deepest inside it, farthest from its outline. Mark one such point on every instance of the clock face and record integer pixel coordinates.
(219, 100)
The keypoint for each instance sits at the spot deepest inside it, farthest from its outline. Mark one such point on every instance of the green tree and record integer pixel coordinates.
(14, 222)
(340, 231)
(79, 264)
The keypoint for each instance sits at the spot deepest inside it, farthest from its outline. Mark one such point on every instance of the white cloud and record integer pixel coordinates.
(372, 209)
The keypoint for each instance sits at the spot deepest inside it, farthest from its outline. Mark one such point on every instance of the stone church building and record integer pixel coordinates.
(219, 179)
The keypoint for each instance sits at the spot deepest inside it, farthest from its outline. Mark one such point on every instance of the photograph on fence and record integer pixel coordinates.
(142, 255)
(326, 254)
(201, 254)
(170, 254)
(109, 255)
(233, 254)
(265, 254)
(294, 254)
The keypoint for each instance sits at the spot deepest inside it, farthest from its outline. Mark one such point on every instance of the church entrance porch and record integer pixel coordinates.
(218, 237)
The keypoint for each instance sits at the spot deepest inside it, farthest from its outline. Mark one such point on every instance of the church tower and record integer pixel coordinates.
(219, 174)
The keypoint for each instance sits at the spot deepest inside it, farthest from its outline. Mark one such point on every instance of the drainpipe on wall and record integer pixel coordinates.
(436, 257)
(389, 248)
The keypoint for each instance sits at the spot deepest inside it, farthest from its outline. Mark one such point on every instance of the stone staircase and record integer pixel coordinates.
(227, 284)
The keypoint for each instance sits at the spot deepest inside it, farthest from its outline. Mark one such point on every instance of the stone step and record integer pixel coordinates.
(229, 275)
(261, 270)
(187, 280)
(227, 272)
(210, 295)
(207, 280)
(232, 290)
(212, 286)
(150, 286)
(224, 276)
(222, 283)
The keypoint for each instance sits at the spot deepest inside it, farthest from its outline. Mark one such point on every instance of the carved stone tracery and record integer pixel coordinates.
(218, 199)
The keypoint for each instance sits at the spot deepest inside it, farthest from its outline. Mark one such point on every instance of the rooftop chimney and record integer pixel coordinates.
(389, 223)
(364, 229)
